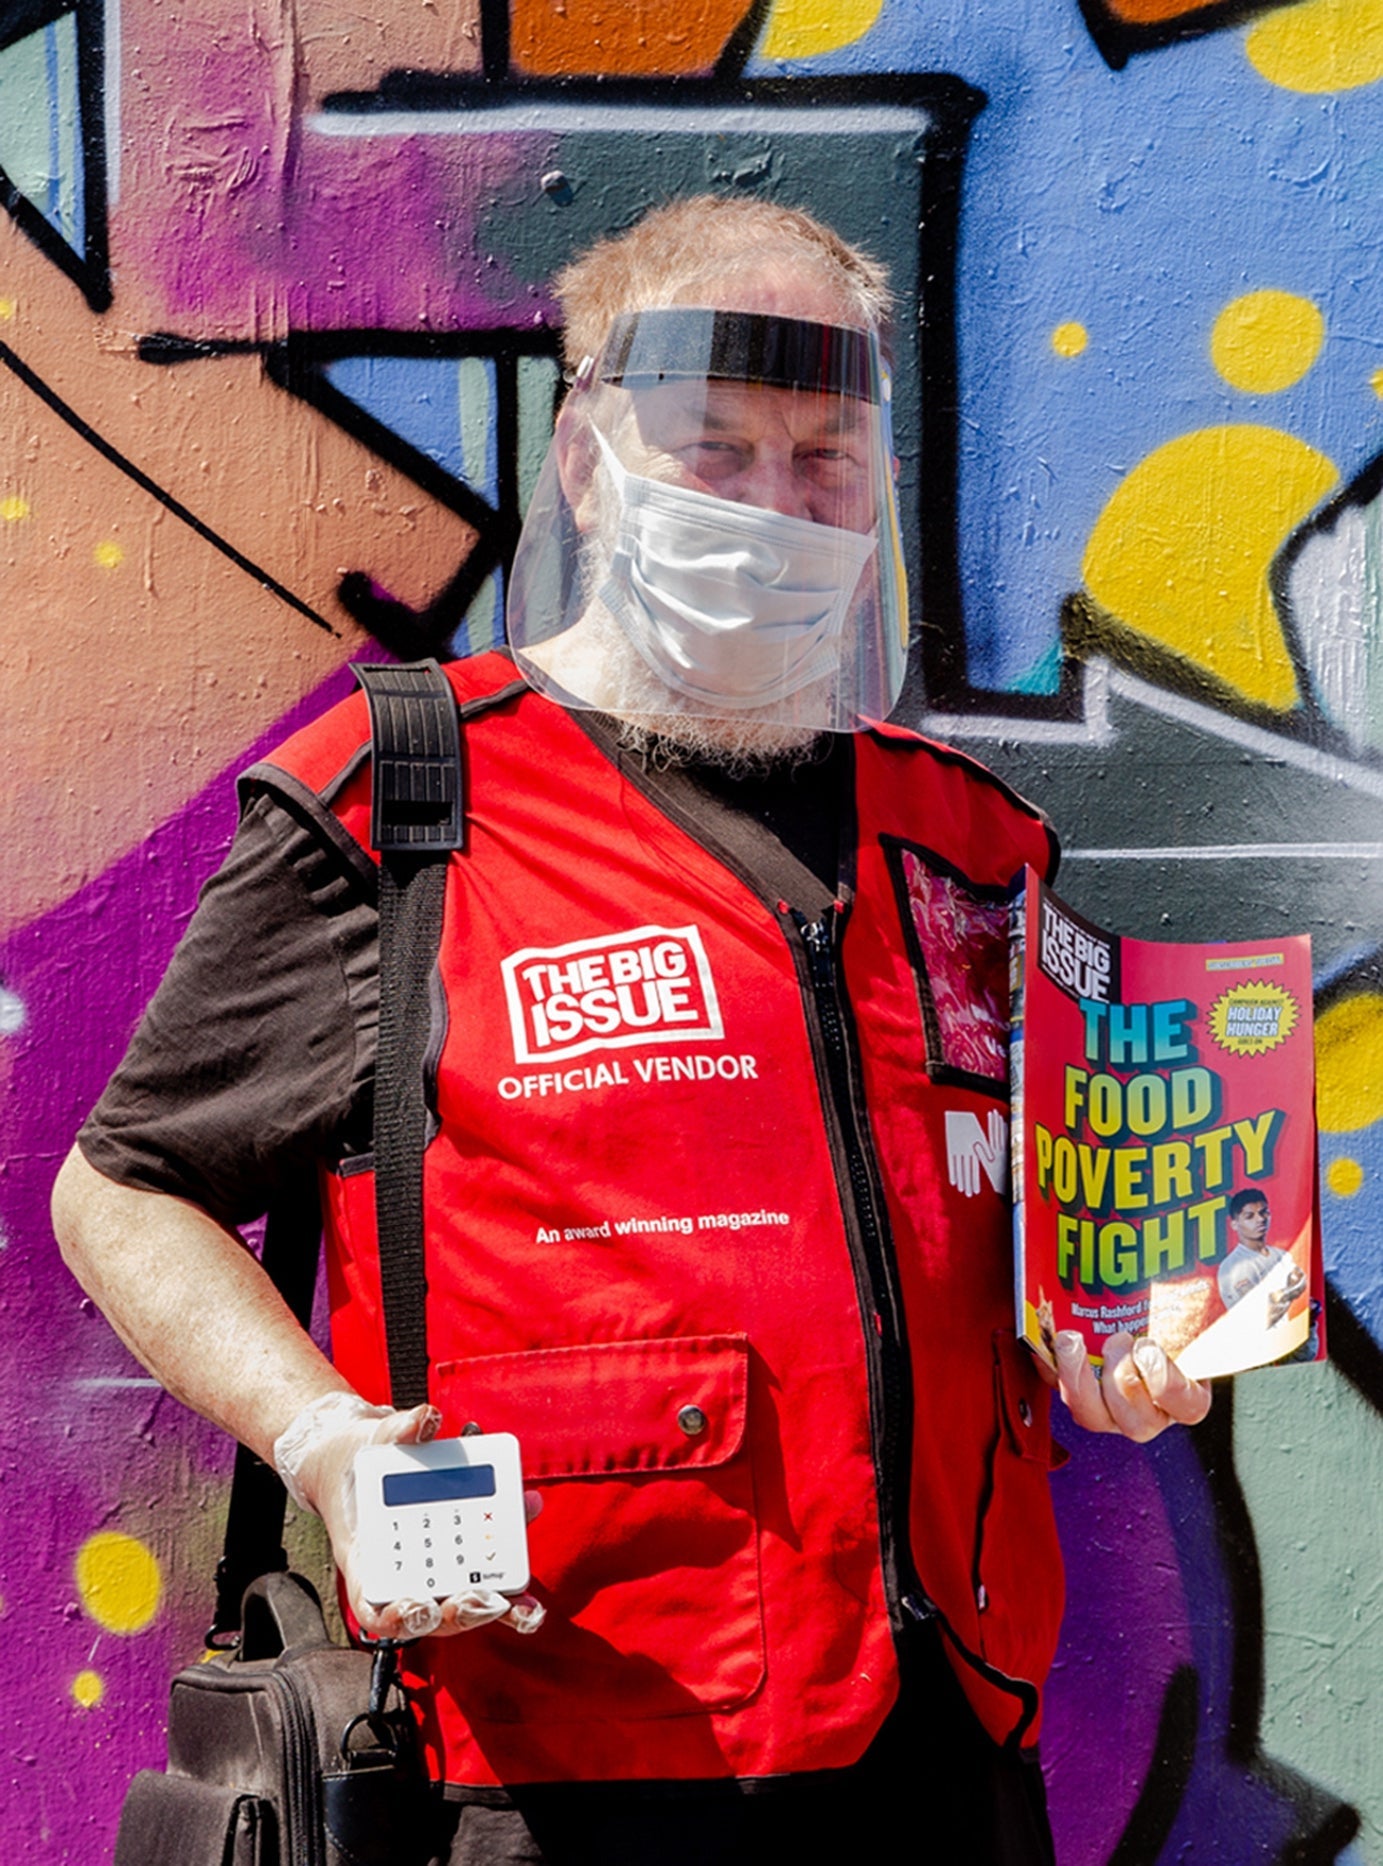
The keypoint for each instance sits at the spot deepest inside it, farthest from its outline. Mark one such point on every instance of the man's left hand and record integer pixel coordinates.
(1137, 1391)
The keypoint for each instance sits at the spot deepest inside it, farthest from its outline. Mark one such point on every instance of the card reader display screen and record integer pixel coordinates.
(455, 1482)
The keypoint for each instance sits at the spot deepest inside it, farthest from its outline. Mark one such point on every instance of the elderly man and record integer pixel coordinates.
(719, 1009)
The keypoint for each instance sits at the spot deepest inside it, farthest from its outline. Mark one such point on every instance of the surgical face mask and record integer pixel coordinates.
(726, 602)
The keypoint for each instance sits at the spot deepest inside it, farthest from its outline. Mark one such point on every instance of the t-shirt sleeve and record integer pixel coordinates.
(255, 1058)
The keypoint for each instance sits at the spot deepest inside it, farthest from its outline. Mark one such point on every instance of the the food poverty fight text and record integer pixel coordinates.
(1151, 1148)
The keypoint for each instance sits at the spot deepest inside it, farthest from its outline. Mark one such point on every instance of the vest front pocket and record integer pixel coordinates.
(646, 1552)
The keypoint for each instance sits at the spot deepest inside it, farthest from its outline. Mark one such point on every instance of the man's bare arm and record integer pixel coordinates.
(191, 1303)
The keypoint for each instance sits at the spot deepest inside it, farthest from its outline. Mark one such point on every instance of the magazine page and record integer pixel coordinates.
(1165, 1141)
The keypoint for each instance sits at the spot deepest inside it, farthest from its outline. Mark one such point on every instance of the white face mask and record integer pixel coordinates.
(729, 603)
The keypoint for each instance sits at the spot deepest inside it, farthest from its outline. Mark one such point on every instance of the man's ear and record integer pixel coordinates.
(577, 462)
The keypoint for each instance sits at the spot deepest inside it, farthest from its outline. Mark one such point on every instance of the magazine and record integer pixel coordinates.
(1164, 1142)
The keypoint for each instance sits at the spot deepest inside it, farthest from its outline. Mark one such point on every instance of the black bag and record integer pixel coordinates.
(281, 1753)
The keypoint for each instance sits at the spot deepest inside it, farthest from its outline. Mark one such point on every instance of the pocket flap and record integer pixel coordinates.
(1025, 1403)
(607, 1407)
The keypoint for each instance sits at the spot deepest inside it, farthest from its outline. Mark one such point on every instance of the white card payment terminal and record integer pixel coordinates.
(437, 1519)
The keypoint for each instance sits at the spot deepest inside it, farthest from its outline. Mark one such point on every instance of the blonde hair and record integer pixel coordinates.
(707, 236)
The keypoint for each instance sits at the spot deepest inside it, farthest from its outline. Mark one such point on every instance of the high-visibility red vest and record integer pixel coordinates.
(717, 1224)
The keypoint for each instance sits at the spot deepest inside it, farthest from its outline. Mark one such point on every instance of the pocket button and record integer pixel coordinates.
(692, 1421)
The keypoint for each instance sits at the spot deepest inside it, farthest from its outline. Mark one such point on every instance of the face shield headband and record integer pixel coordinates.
(719, 499)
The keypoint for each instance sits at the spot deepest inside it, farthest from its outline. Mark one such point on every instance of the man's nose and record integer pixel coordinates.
(774, 483)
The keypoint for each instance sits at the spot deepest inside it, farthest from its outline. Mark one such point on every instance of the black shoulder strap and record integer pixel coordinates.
(418, 820)
(254, 1518)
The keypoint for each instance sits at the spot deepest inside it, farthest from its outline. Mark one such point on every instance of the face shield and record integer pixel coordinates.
(714, 533)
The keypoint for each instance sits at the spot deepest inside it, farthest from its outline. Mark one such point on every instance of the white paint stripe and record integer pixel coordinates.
(94, 1381)
(112, 100)
(1272, 747)
(553, 117)
(1236, 852)
(1095, 729)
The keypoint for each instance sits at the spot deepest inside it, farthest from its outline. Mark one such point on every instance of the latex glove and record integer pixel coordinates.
(1138, 1391)
(315, 1457)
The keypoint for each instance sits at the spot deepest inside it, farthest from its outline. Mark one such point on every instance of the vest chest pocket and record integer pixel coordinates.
(646, 1551)
(956, 935)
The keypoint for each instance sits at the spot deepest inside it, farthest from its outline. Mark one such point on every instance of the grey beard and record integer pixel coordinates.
(652, 723)
(657, 724)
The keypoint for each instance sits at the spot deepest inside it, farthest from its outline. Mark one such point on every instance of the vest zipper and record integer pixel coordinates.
(867, 1228)
(886, 1350)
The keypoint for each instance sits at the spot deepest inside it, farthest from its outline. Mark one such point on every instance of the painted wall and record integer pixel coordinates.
(276, 369)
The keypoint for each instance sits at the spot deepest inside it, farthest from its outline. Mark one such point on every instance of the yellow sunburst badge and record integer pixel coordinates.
(1251, 1018)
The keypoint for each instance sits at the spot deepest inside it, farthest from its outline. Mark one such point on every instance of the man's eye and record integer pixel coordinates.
(709, 459)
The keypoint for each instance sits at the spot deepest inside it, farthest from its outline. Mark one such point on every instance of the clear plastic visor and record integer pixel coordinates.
(714, 533)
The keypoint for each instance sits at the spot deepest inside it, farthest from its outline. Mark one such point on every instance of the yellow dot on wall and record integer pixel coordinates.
(1324, 45)
(1070, 339)
(7, 309)
(1182, 550)
(803, 28)
(88, 1688)
(108, 554)
(118, 1580)
(1349, 1064)
(1376, 382)
(1266, 341)
(1344, 1177)
(13, 509)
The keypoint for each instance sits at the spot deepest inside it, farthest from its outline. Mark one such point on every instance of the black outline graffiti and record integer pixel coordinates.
(66, 412)
(1154, 1813)
(89, 269)
(299, 365)
(1363, 489)
(1089, 630)
(1118, 40)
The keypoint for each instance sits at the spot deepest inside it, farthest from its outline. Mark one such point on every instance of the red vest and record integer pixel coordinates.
(718, 1225)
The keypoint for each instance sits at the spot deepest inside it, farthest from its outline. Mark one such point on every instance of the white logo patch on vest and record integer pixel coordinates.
(650, 985)
(970, 1151)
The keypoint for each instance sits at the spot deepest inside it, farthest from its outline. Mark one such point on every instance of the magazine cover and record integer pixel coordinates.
(1164, 1141)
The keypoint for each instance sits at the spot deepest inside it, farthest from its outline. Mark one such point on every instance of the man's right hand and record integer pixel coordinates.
(315, 1456)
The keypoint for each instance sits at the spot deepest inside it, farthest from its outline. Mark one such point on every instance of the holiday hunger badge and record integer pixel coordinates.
(1254, 1017)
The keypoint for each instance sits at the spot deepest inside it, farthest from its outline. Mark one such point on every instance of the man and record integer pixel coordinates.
(1253, 1258)
(712, 989)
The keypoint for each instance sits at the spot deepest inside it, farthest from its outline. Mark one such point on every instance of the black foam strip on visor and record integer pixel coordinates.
(684, 345)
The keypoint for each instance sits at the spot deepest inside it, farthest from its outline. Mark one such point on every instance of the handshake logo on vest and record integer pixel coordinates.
(973, 1151)
(650, 985)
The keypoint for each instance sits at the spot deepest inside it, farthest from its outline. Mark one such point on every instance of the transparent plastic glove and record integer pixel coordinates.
(315, 1457)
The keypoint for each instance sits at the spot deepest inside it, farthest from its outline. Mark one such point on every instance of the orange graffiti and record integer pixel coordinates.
(620, 38)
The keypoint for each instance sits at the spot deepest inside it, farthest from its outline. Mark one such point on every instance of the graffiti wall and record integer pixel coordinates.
(277, 368)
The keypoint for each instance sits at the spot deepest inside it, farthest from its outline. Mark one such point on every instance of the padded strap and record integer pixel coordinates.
(418, 820)
(417, 802)
(411, 892)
